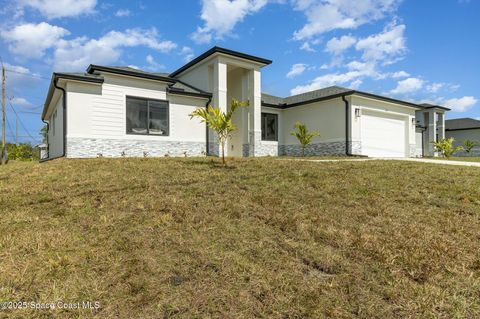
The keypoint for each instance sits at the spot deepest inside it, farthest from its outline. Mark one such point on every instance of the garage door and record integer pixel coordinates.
(382, 135)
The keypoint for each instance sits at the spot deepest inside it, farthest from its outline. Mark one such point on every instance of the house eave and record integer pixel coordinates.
(99, 68)
(220, 50)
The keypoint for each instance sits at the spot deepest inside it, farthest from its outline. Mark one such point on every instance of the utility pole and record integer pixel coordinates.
(4, 149)
(16, 130)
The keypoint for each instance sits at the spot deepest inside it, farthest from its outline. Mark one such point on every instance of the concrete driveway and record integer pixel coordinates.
(419, 160)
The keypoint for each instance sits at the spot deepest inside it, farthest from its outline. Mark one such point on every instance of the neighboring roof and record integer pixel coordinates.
(328, 93)
(432, 106)
(462, 124)
(223, 51)
(130, 72)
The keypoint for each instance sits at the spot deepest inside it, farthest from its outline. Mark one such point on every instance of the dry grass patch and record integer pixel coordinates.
(186, 238)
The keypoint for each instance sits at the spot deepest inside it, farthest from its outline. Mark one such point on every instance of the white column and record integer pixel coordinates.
(219, 100)
(441, 126)
(255, 111)
(432, 133)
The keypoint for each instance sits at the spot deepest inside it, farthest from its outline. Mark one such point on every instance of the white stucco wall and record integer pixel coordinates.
(326, 117)
(97, 114)
(55, 141)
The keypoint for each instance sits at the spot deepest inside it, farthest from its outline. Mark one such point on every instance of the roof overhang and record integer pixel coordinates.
(175, 91)
(99, 68)
(72, 77)
(219, 50)
(345, 94)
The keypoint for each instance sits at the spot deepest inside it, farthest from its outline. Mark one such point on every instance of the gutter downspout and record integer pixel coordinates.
(64, 96)
(206, 127)
(347, 125)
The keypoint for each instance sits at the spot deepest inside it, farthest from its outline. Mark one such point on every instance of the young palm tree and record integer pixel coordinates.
(221, 123)
(303, 135)
(468, 145)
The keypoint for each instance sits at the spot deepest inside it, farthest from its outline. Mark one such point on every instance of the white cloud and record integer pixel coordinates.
(400, 74)
(52, 9)
(123, 13)
(327, 80)
(31, 40)
(461, 104)
(296, 70)
(338, 45)
(221, 16)
(327, 15)
(352, 78)
(187, 53)
(435, 87)
(76, 54)
(408, 86)
(385, 46)
(20, 101)
(306, 47)
(152, 64)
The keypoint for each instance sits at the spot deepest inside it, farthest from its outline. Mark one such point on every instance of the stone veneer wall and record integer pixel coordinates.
(320, 149)
(413, 150)
(94, 147)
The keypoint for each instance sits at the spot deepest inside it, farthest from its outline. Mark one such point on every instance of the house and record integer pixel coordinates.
(120, 111)
(464, 129)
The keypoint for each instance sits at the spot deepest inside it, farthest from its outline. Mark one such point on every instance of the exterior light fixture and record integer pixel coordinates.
(357, 112)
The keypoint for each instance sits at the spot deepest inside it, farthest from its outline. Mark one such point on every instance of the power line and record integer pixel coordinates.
(21, 123)
(27, 74)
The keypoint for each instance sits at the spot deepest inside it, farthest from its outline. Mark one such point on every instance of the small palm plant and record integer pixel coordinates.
(220, 122)
(468, 145)
(445, 147)
(303, 135)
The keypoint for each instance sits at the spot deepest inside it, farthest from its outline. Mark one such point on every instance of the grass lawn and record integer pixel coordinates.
(185, 238)
(460, 159)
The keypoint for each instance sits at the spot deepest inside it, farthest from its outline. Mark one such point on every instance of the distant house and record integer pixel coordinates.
(120, 111)
(464, 129)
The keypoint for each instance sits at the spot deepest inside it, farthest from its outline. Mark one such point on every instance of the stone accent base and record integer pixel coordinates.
(319, 149)
(473, 153)
(413, 150)
(95, 147)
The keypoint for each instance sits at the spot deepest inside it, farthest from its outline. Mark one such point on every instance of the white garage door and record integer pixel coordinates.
(382, 135)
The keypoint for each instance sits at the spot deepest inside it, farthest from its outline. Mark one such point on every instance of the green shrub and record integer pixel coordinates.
(22, 152)
(445, 147)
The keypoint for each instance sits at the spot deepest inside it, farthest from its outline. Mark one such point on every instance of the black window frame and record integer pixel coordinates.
(148, 115)
(265, 114)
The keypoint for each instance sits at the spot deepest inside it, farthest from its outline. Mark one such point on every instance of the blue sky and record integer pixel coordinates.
(422, 51)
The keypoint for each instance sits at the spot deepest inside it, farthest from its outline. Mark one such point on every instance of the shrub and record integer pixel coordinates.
(445, 147)
(468, 145)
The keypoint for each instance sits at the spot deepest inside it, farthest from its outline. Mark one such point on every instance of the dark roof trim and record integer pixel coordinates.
(66, 76)
(387, 99)
(338, 95)
(325, 98)
(83, 78)
(463, 129)
(432, 106)
(223, 51)
(186, 93)
(92, 68)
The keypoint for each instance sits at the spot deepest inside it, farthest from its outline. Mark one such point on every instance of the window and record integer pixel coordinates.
(147, 116)
(269, 127)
